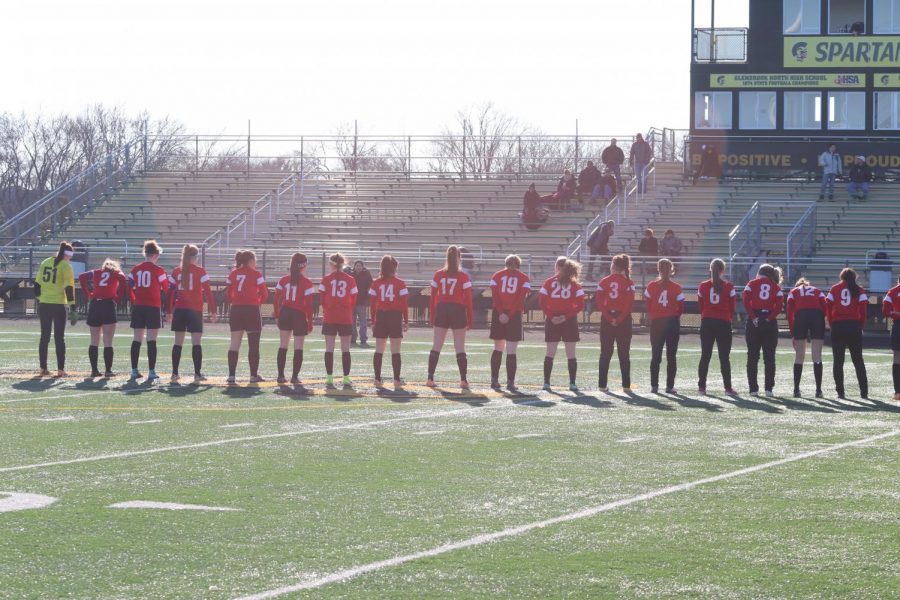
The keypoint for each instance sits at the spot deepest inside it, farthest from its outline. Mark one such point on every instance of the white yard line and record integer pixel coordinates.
(592, 511)
(147, 422)
(236, 425)
(146, 504)
(253, 438)
(35, 396)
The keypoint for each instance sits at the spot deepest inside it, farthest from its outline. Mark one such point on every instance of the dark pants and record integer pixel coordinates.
(664, 333)
(761, 337)
(847, 335)
(619, 336)
(52, 317)
(593, 258)
(718, 332)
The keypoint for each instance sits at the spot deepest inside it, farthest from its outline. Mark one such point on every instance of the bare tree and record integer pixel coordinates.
(482, 141)
(360, 155)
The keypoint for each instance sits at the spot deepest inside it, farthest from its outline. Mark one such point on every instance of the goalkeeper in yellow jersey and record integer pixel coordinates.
(54, 289)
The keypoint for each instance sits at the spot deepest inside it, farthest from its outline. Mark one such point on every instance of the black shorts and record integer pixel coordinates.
(449, 315)
(101, 312)
(338, 329)
(185, 319)
(388, 324)
(809, 324)
(245, 318)
(895, 336)
(146, 317)
(567, 331)
(293, 320)
(511, 331)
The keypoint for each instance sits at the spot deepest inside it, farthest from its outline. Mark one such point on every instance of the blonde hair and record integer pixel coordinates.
(716, 268)
(187, 253)
(570, 272)
(666, 269)
(773, 273)
(111, 265)
(513, 262)
(621, 262)
(338, 260)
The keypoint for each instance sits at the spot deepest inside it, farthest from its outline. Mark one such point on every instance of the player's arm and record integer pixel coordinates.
(173, 294)
(262, 290)
(544, 302)
(84, 280)
(432, 304)
(307, 305)
(829, 308)
(701, 303)
(887, 307)
(467, 298)
(629, 303)
(779, 306)
(279, 297)
(747, 299)
(210, 296)
(680, 300)
(577, 304)
(791, 308)
(863, 309)
(373, 304)
(733, 300)
(404, 299)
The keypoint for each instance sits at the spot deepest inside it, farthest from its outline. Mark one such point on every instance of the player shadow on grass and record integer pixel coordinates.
(465, 397)
(629, 397)
(853, 405)
(687, 402)
(748, 404)
(182, 391)
(38, 384)
(582, 399)
(243, 391)
(793, 404)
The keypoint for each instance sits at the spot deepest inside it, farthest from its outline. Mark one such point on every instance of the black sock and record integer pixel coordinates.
(897, 378)
(395, 364)
(108, 357)
(548, 369)
(93, 356)
(151, 354)
(253, 352)
(281, 360)
(232, 362)
(197, 355)
(462, 362)
(135, 353)
(345, 362)
(298, 362)
(496, 359)
(329, 363)
(176, 359)
(376, 363)
(432, 363)
(511, 365)
(573, 369)
(817, 370)
(798, 374)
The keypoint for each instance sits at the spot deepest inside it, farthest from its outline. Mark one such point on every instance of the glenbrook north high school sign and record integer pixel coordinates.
(845, 51)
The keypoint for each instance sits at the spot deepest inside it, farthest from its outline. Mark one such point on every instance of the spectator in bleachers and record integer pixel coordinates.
(614, 158)
(598, 243)
(589, 181)
(466, 262)
(565, 191)
(859, 175)
(639, 158)
(671, 245)
(649, 247)
(608, 185)
(830, 161)
(534, 213)
(363, 279)
(709, 163)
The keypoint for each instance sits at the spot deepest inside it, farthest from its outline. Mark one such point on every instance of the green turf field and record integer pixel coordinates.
(433, 494)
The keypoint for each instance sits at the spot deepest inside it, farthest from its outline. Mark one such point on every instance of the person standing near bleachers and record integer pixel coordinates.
(103, 289)
(763, 301)
(390, 316)
(562, 299)
(830, 161)
(247, 290)
(294, 312)
(337, 294)
(451, 310)
(891, 310)
(665, 304)
(598, 243)
(847, 312)
(509, 290)
(860, 175)
(613, 158)
(148, 283)
(614, 300)
(717, 301)
(54, 289)
(188, 285)
(363, 279)
(806, 309)
(639, 157)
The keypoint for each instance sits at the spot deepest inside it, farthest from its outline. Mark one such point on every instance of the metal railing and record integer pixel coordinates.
(745, 240)
(801, 241)
(776, 228)
(722, 44)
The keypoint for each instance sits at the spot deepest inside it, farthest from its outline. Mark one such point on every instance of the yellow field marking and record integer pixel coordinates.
(219, 408)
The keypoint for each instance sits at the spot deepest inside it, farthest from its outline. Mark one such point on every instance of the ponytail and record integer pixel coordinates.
(848, 276)
(773, 273)
(298, 263)
(243, 257)
(716, 268)
(622, 263)
(388, 267)
(338, 260)
(665, 268)
(451, 266)
(65, 249)
(569, 272)
(187, 254)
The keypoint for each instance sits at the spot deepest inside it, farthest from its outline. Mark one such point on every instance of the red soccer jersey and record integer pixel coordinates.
(556, 299)
(615, 297)
(147, 282)
(890, 308)
(714, 305)
(246, 287)
(804, 297)
(299, 297)
(389, 294)
(844, 306)
(664, 299)
(101, 284)
(189, 293)
(337, 293)
(509, 289)
(455, 288)
(762, 295)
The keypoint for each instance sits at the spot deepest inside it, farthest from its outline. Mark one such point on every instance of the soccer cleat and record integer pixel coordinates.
(430, 383)
(754, 393)
(819, 394)
(296, 381)
(547, 387)
(495, 385)
(797, 393)
(730, 392)
(654, 390)
(44, 373)
(109, 375)
(61, 373)
(329, 380)
(701, 391)
(672, 391)
(174, 379)
(398, 383)
(96, 374)
(511, 388)
(281, 380)
(603, 389)
(231, 380)
(573, 387)
(770, 394)
(256, 379)
(152, 376)
(199, 378)
(841, 396)
(464, 385)
(346, 381)
(897, 396)
(379, 383)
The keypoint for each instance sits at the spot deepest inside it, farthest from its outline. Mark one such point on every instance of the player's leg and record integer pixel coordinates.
(439, 335)
(707, 339)
(297, 363)
(151, 352)
(137, 339)
(769, 347)
(723, 343)
(462, 361)
(512, 364)
(197, 355)
(896, 371)
(753, 337)
(253, 339)
(396, 361)
(233, 350)
(817, 345)
(572, 363)
(108, 331)
(838, 348)
(496, 361)
(548, 362)
(345, 357)
(45, 315)
(378, 358)
(284, 338)
(177, 347)
(673, 336)
(329, 358)
(855, 344)
(59, 338)
(799, 359)
(657, 342)
(94, 350)
(607, 345)
(623, 345)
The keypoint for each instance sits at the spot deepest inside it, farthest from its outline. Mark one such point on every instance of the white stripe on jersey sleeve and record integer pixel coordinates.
(371, 291)
(162, 278)
(631, 288)
(527, 285)
(829, 297)
(404, 292)
(733, 293)
(204, 279)
(646, 292)
(278, 286)
(355, 290)
(747, 288)
(599, 287)
(780, 294)
(579, 293)
(433, 284)
(467, 285)
(309, 291)
(544, 291)
(321, 287)
(493, 283)
(863, 298)
(888, 298)
(791, 295)
(260, 280)
(130, 275)
(680, 297)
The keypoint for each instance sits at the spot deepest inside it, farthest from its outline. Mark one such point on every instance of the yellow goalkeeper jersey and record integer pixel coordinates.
(54, 279)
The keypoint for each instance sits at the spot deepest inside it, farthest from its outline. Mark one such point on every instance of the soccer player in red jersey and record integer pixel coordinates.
(337, 293)
(188, 284)
(294, 311)
(451, 309)
(247, 290)
(806, 310)
(847, 305)
(509, 290)
(562, 299)
(614, 300)
(763, 301)
(891, 310)
(147, 282)
(104, 288)
(665, 304)
(717, 300)
(388, 303)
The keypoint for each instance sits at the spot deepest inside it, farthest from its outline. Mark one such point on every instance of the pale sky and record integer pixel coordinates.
(398, 66)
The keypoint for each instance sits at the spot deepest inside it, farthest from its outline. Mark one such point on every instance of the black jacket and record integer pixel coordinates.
(565, 188)
(363, 283)
(649, 246)
(641, 152)
(588, 178)
(612, 155)
(859, 173)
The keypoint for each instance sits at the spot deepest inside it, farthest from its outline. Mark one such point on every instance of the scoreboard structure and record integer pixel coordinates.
(768, 99)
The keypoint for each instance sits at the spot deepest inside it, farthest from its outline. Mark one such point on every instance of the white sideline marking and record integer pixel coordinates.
(573, 516)
(431, 432)
(523, 436)
(630, 440)
(236, 425)
(734, 443)
(53, 419)
(34, 396)
(147, 422)
(171, 506)
(15, 501)
(255, 438)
